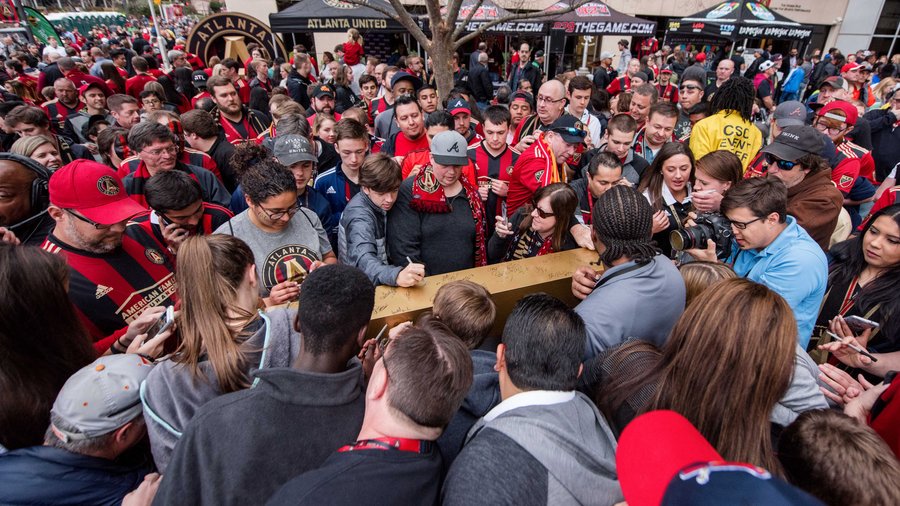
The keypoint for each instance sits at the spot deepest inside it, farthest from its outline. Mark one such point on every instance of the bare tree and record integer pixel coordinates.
(448, 29)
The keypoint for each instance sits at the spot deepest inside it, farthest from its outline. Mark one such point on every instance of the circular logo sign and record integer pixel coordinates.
(108, 186)
(337, 4)
(288, 263)
(228, 33)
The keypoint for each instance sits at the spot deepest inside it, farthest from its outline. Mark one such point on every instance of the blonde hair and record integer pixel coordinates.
(26, 146)
(698, 276)
(320, 120)
(210, 270)
(354, 36)
(883, 87)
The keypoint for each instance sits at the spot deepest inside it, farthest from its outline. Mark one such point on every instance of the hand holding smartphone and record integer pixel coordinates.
(164, 322)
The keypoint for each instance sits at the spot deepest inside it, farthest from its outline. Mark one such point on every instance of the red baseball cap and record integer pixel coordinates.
(94, 190)
(100, 86)
(850, 113)
(850, 66)
(664, 442)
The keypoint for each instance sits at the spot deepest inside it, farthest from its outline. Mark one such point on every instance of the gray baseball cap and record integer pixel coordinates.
(794, 142)
(606, 55)
(101, 397)
(790, 113)
(290, 149)
(450, 148)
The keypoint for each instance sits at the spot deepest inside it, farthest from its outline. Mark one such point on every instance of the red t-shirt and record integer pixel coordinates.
(352, 53)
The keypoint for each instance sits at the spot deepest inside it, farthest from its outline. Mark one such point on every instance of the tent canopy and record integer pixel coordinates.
(332, 16)
(596, 18)
(739, 20)
(489, 11)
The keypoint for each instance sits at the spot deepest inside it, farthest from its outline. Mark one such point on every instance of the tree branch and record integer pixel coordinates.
(400, 15)
(536, 16)
(458, 29)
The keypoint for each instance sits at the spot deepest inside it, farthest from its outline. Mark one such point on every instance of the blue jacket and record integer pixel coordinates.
(794, 267)
(333, 185)
(48, 475)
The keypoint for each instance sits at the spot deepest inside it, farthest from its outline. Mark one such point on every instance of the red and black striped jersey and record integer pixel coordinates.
(110, 290)
(213, 217)
(494, 167)
(58, 112)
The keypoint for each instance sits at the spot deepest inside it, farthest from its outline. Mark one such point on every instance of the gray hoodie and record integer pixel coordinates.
(171, 396)
(561, 453)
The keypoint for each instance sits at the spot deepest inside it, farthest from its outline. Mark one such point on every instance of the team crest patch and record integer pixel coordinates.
(427, 183)
(576, 157)
(153, 255)
(108, 186)
(288, 263)
(538, 175)
(509, 170)
(845, 180)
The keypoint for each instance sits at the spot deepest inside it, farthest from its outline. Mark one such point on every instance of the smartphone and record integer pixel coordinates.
(858, 324)
(164, 322)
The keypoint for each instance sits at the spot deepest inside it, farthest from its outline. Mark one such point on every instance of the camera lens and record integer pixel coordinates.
(681, 239)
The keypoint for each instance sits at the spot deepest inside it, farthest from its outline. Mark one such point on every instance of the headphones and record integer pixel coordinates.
(40, 193)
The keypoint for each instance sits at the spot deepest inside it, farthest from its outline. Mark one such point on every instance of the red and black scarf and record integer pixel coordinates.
(428, 197)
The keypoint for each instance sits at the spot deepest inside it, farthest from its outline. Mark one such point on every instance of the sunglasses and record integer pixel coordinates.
(570, 131)
(778, 162)
(543, 214)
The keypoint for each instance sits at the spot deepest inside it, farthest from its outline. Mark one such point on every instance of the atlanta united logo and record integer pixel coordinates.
(428, 183)
(288, 263)
(509, 170)
(107, 186)
(153, 255)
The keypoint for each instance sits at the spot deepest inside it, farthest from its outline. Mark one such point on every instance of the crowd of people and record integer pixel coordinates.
(190, 250)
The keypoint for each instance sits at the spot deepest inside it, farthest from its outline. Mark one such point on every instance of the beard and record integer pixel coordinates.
(99, 246)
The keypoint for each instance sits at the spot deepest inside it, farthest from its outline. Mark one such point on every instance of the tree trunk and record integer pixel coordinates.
(442, 58)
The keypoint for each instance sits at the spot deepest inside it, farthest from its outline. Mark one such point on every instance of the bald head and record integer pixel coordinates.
(551, 101)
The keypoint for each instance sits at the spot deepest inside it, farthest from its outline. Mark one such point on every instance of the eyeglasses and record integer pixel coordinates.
(277, 215)
(691, 88)
(778, 162)
(97, 226)
(549, 100)
(172, 150)
(742, 225)
(824, 128)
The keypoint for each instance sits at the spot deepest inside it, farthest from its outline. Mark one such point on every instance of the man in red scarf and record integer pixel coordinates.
(544, 162)
(238, 122)
(439, 220)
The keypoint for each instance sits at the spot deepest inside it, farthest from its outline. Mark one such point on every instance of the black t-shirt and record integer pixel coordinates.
(765, 89)
(372, 476)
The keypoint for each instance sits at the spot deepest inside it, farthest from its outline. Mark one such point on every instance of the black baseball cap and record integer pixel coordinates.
(795, 142)
(323, 90)
(570, 128)
(400, 76)
(524, 96)
(199, 77)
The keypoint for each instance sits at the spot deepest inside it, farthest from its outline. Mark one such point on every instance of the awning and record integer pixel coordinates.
(489, 11)
(740, 20)
(596, 18)
(332, 16)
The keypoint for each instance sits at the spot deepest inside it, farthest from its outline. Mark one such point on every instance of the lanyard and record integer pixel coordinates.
(849, 297)
(389, 443)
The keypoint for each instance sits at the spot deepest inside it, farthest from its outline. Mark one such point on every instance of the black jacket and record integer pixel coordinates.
(885, 141)
(529, 72)
(221, 152)
(444, 242)
(298, 88)
(480, 83)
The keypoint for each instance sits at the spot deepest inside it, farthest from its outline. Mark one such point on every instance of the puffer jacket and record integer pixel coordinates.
(361, 240)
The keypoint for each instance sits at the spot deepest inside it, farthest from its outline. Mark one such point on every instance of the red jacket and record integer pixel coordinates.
(535, 168)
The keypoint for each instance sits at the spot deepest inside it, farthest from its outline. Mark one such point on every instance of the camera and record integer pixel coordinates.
(713, 226)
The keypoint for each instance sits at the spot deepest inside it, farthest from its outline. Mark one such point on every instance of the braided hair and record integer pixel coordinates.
(735, 94)
(623, 222)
